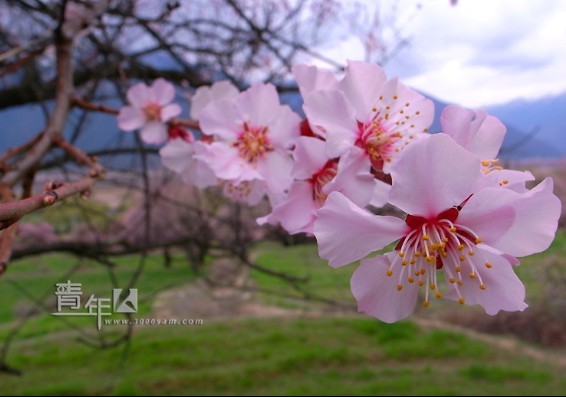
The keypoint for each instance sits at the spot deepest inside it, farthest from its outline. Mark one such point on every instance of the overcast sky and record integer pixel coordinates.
(480, 52)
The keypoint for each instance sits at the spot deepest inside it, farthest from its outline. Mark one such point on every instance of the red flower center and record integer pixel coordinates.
(253, 143)
(321, 179)
(152, 111)
(434, 244)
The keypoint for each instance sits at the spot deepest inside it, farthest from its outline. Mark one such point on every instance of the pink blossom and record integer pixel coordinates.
(179, 156)
(310, 79)
(472, 236)
(253, 135)
(316, 176)
(216, 92)
(248, 192)
(150, 108)
(483, 135)
(378, 115)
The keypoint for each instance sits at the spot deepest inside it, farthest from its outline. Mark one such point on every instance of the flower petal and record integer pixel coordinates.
(477, 131)
(361, 85)
(139, 95)
(346, 233)
(221, 118)
(510, 179)
(249, 192)
(331, 111)
(353, 178)
(432, 175)
(284, 130)
(259, 104)
(170, 111)
(130, 118)
(503, 289)
(162, 92)
(177, 155)
(310, 157)
(275, 169)
(377, 293)
(310, 78)
(154, 132)
(226, 163)
(380, 195)
(198, 173)
(205, 95)
(298, 212)
(518, 224)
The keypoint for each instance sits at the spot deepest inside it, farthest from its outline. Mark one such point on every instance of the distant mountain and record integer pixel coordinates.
(536, 128)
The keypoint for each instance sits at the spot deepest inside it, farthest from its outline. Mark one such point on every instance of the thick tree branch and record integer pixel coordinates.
(58, 117)
(12, 211)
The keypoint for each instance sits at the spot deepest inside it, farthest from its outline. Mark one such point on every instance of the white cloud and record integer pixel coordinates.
(479, 52)
(482, 52)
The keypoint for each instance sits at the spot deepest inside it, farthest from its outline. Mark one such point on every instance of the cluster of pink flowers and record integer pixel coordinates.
(365, 143)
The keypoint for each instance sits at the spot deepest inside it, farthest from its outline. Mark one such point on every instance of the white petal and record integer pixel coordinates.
(162, 92)
(130, 118)
(154, 132)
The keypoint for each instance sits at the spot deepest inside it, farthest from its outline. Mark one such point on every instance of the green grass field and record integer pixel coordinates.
(326, 355)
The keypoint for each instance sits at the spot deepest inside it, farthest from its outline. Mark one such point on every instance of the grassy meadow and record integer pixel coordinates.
(314, 350)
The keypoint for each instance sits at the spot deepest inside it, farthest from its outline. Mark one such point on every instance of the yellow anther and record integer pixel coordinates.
(430, 259)
(425, 237)
(411, 279)
(461, 301)
(413, 261)
(444, 239)
(462, 258)
(505, 182)
(434, 246)
(472, 275)
(486, 163)
(389, 273)
(488, 265)
(417, 254)
(460, 247)
(432, 287)
(426, 304)
(479, 240)
(471, 253)
(401, 254)
(458, 269)
(423, 271)
(421, 283)
(404, 262)
(438, 295)
(452, 229)
(452, 280)
(395, 97)
(399, 287)
(482, 287)
(374, 109)
(460, 282)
